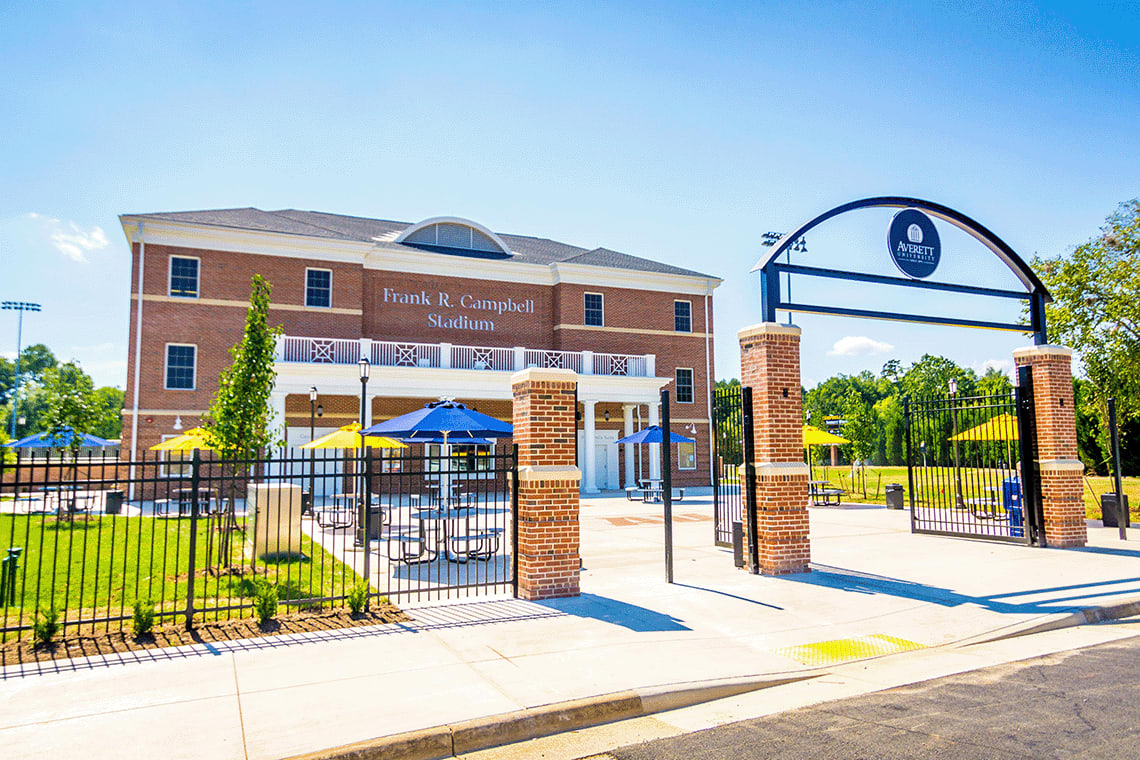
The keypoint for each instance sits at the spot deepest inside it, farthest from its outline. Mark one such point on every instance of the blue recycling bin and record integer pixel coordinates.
(1011, 501)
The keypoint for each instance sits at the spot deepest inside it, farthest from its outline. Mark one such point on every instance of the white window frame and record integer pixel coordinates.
(434, 453)
(679, 466)
(166, 367)
(675, 302)
(318, 269)
(692, 385)
(599, 295)
(171, 467)
(170, 277)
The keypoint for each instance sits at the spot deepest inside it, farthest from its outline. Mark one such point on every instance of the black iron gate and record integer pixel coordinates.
(728, 455)
(971, 465)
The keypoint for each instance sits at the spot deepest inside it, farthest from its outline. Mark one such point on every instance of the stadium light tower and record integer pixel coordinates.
(19, 307)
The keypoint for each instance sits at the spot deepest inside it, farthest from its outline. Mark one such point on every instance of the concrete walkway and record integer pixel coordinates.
(875, 585)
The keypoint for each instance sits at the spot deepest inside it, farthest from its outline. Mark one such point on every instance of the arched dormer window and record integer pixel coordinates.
(454, 234)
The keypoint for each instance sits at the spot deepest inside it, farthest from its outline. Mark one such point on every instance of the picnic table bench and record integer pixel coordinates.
(822, 494)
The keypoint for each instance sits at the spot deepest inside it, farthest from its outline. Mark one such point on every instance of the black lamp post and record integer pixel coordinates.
(362, 527)
(312, 452)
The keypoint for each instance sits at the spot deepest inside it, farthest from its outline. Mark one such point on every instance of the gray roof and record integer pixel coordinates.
(525, 249)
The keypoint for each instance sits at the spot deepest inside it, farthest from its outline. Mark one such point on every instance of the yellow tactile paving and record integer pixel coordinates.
(843, 650)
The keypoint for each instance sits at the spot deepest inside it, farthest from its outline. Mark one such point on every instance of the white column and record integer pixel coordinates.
(587, 362)
(445, 356)
(589, 457)
(627, 411)
(277, 422)
(655, 448)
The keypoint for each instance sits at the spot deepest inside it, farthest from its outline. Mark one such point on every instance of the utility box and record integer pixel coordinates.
(1109, 511)
(894, 492)
(113, 502)
(276, 518)
(1011, 502)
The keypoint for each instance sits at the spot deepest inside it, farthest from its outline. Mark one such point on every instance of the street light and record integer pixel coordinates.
(20, 307)
(769, 239)
(957, 469)
(312, 452)
(362, 527)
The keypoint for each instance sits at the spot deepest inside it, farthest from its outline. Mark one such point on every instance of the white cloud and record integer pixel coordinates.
(1005, 365)
(70, 239)
(859, 345)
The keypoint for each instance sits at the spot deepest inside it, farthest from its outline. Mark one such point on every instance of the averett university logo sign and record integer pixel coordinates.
(914, 244)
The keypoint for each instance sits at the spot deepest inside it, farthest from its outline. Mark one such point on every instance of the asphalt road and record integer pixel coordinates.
(1082, 703)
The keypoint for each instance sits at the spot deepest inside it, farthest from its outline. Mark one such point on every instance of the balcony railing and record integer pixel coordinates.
(291, 348)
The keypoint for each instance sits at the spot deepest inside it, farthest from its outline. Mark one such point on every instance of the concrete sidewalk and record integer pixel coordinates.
(279, 697)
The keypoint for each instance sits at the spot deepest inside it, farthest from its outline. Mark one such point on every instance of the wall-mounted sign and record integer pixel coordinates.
(914, 243)
(440, 299)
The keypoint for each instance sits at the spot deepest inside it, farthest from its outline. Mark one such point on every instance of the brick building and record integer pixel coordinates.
(441, 308)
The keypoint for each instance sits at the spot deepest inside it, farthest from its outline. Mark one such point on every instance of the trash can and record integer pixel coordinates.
(1011, 502)
(894, 493)
(113, 502)
(1108, 511)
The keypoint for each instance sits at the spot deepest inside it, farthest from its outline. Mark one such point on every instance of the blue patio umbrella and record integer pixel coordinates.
(652, 434)
(448, 421)
(60, 440)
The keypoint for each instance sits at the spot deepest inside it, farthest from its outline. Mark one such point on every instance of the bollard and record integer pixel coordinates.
(10, 566)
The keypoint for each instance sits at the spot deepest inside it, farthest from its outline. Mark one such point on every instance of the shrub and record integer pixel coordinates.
(143, 619)
(358, 597)
(265, 601)
(45, 626)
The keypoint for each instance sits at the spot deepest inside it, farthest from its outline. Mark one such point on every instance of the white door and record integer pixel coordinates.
(606, 459)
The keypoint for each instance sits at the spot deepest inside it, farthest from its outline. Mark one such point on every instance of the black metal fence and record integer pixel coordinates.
(728, 439)
(965, 466)
(196, 536)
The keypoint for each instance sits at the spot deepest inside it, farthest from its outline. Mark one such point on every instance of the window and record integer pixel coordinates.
(686, 456)
(174, 464)
(684, 386)
(594, 315)
(318, 288)
(183, 277)
(180, 360)
(682, 316)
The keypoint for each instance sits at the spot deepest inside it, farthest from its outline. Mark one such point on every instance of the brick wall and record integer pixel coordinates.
(548, 552)
(1055, 420)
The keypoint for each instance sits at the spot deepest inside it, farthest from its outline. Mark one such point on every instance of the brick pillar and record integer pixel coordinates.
(1061, 469)
(548, 560)
(770, 365)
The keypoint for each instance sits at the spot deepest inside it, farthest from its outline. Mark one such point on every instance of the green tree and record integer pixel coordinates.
(108, 409)
(1096, 312)
(239, 418)
(239, 421)
(71, 410)
(930, 376)
(861, 429)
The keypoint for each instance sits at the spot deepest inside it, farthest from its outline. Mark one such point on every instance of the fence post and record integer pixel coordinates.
(749, 485)
(515, 521)
(195, 480)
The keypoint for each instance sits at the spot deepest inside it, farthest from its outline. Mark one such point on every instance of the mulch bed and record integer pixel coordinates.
(88, 644)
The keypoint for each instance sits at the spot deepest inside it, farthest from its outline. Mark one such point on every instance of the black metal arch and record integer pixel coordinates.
(1035, 292)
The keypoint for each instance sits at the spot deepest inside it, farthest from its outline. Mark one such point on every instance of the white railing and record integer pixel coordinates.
(381, 353)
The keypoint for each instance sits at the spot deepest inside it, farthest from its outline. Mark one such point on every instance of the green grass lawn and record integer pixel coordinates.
(879, 477)
(100, 565)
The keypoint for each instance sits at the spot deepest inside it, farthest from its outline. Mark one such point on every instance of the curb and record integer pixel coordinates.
(466, 736)
(1057, 621)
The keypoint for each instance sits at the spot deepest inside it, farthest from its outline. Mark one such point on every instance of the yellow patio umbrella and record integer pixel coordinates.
(348, 437)
(813, 436)
(194, 438)
(1000, 428)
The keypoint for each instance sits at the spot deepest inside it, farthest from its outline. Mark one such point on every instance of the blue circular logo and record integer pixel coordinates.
(914, 244)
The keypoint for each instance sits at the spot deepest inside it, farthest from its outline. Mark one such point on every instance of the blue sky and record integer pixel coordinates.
(677, 131)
